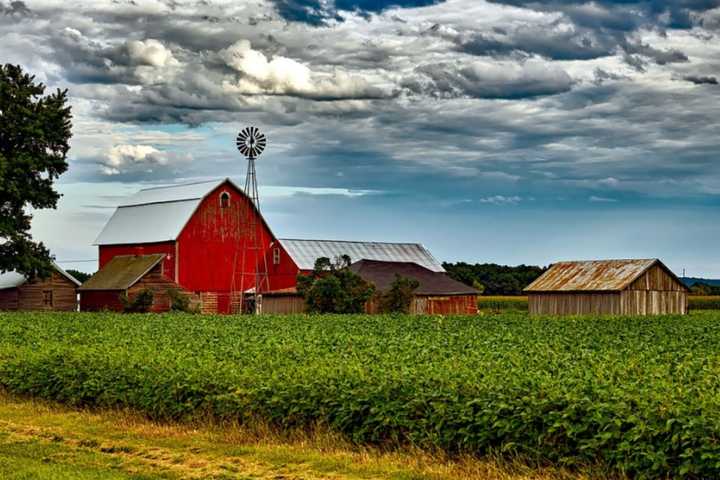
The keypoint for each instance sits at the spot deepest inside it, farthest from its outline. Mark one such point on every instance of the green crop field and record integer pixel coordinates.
(639, 396)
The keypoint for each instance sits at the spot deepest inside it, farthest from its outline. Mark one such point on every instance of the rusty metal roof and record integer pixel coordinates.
(122, 272)
(591, 275)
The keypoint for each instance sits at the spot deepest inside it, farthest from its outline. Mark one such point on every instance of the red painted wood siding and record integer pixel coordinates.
(107, 252)
(96, 300)
(211, 246)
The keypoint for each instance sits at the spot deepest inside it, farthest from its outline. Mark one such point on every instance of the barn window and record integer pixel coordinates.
(47, 298)
(276, 256)
(224, 200)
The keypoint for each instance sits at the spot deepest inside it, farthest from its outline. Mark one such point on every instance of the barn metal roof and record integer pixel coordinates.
(14, 279)
(156, 214)
(592, 275)
(305, 252)
(122, 272)
(382, 275)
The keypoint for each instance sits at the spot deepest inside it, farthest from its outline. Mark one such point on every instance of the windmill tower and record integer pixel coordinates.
(251, 144)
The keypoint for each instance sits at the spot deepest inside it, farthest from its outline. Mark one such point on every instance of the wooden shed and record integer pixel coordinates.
(436, 294)
(608, 287)
(128, 275)
(57, 292)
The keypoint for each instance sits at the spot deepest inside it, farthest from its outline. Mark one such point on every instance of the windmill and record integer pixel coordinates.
(251, 143)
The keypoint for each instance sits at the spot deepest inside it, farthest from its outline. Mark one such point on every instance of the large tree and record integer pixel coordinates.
(34, 134)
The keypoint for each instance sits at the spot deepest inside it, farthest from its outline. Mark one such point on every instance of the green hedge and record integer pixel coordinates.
(502, 303)
(704, 303)
(639, 395)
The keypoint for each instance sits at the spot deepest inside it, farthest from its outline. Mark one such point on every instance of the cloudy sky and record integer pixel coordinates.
(504, 131)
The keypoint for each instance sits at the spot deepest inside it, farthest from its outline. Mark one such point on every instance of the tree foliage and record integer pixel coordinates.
(333, 288)
(34, 135)
(79, 276)
(495, 279)
(399, 296)
(140, 304)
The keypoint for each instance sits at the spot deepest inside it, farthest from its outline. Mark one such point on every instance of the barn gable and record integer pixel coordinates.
(158, 214)
(14, 279)
(57, 292)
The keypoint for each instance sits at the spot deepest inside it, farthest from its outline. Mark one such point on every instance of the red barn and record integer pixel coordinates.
(198, 238)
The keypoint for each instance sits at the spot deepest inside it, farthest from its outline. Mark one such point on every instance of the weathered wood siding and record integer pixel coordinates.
(449, 305)
(53, 293)
(574, 303)
(655, 293)
(283, 304)
(9, 299)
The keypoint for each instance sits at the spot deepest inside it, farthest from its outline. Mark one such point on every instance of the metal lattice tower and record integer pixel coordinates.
(251, 143)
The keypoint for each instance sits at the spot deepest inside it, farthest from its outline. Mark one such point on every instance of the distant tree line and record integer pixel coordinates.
(700, 288)
(493, 279)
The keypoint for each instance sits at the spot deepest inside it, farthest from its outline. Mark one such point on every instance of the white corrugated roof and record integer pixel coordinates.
(305, 252)
(172, 193)
(155, 214)
(14, 279)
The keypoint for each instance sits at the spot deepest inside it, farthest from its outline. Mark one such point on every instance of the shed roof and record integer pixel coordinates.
(14, 279)
(156, 214)
(122, 272)
(305, 252)
(382, 274)
(593, 275)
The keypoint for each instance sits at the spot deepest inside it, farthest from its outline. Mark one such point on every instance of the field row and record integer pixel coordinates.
(639, 395)
(521, 303)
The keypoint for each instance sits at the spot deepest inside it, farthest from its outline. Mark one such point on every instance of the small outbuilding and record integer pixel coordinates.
(128, 275)
(608, 287)
(436, 293)
(57, 292)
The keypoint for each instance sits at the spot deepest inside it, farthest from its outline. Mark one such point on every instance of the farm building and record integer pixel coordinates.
(612, 287)
(199, 239)
(436, 294)
(57, 292)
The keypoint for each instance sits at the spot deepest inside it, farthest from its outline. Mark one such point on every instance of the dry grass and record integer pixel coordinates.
(111, 443)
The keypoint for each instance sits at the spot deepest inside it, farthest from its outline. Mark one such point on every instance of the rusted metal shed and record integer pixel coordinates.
(57, 292)
(608, 287)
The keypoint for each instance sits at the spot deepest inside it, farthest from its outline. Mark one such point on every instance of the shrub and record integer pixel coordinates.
(140, 304)
(399, 296)
(333, 288)
(179, 302)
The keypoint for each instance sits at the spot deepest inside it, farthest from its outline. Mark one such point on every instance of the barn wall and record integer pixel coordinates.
(9, 299)
(657, 278)
(572, 303)
(282, 304)
(108, 252)
(31, 295)
(649, 302)
(97, 300)
(450, 305)
(211, 246)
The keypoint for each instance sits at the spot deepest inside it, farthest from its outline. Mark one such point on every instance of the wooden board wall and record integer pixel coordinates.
(61, 291)
(9, 299)
(283, 304)
(572, 303)
(656, 278)
(649, 302)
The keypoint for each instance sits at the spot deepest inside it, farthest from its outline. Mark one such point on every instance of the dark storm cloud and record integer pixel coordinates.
(486, 81)
(15, 9)
(697, 80)
(317, 13)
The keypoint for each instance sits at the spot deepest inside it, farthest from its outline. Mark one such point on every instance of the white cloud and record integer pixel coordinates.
(501, 200)
(597, 199)
(285, 76)
(150, 52)
(133, 158)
